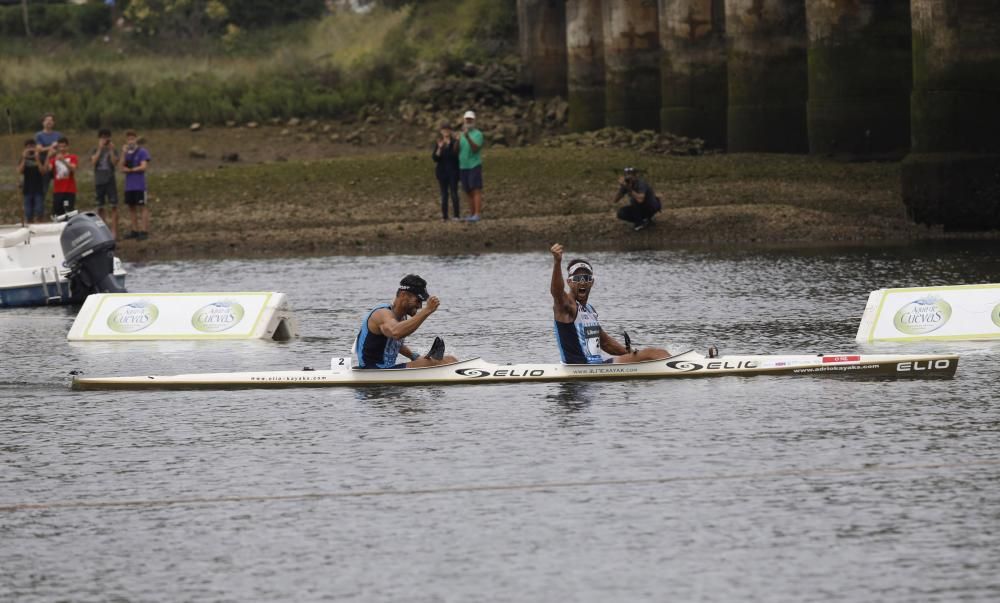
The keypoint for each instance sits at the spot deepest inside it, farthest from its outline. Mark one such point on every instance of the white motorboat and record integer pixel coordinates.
(33, 270)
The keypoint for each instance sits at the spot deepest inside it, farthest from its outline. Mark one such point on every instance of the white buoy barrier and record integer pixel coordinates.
(154, 316)
(957, 312)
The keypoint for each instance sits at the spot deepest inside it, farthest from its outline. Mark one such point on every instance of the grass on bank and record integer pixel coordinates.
(325, 68)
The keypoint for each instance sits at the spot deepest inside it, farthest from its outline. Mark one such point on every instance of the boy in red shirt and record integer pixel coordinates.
(63, 165)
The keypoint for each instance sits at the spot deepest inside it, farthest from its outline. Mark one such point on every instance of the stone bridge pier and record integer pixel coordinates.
(693, 69)
(542, 42)
(632, 64)
(952, 176)
(768, 81)
(585, 64)
(859, 77)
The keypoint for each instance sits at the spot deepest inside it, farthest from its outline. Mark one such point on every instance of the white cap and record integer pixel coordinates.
(469, 115)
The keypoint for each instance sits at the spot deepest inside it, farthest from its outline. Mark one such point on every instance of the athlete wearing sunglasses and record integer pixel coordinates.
(579, 334)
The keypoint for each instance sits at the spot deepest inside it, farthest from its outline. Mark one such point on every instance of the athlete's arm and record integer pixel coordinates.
(405, 351)
(609, 345)
(562, 304)
(390, 327)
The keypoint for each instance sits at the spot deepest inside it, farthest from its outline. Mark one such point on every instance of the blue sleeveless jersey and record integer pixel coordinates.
(375, 350)
(580, 341)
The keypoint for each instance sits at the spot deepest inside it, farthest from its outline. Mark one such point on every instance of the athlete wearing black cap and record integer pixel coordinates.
(380, 339)
(579, 335)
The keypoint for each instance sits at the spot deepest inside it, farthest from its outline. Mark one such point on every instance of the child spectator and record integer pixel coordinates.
(134, 162)
(62, 166)
(104, 159)
(31, 183)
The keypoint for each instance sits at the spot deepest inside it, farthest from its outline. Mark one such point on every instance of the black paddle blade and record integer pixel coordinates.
(628, 341)
(437, 349)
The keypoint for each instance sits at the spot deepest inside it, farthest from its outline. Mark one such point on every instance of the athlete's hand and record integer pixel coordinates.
(432, 304)
(557, 251)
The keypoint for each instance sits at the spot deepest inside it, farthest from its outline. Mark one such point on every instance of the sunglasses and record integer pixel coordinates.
(582, 278)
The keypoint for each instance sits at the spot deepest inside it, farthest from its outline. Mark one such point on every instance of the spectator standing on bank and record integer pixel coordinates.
(445, 157)
(31, 183)
(135, 160)
(642, 200)
(46, 139)
(471, 164)
(62, 165)
(105, 158)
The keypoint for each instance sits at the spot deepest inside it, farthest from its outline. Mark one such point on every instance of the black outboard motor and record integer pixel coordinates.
(89, 249)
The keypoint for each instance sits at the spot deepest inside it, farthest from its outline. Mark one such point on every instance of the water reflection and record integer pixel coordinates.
(572, 397)
(401, 400)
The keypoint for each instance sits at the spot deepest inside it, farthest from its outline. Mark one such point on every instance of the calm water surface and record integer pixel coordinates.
(768, 488)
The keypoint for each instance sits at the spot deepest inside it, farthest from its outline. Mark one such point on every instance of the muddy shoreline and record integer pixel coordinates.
(297, 195)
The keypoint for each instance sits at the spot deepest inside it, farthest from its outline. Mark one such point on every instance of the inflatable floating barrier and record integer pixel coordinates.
(943, 313)
(156, 316)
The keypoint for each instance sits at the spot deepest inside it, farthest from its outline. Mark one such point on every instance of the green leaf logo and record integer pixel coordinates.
(217, 316)
(133, 317)
(922, 316)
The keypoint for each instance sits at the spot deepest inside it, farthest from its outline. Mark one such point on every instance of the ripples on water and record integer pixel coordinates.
(724, 489)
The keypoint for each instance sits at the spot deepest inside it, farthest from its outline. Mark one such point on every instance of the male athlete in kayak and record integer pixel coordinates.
(380, 340)
(579, 335)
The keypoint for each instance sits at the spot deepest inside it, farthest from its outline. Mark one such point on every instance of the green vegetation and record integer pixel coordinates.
(324, 68)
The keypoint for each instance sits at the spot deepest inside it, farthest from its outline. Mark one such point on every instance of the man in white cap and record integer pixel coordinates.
(470, 164)
(579, 334)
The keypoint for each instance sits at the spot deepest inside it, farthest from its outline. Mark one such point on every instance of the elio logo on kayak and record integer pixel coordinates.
(716, 365)
(133, 317)
(922, 365)
(217, 316)
(476, 373)
(922, 315)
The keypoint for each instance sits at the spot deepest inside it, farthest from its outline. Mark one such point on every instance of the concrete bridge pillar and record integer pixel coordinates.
(632, 64)
(767, 76)
(693, 69)
(952, 176)
(542, 40)
(585, 64)
(859, 76)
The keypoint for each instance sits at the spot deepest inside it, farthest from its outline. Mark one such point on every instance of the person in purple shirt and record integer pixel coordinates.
(45, 141)
(135, 160)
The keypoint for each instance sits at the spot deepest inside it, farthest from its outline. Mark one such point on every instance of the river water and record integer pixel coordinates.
(765, 488)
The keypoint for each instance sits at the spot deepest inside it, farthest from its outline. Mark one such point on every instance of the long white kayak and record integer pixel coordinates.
(474, 371)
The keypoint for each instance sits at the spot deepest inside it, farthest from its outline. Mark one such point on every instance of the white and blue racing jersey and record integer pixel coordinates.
(375, 350)
(580, 341)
